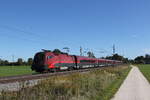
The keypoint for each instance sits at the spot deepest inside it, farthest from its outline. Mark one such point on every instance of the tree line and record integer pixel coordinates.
(117, 57)
(138, 60)
(142, 59)
(19, 62)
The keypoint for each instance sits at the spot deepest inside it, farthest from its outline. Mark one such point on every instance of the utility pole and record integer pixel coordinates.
(114, 49)
(80, 51)
(12, 60)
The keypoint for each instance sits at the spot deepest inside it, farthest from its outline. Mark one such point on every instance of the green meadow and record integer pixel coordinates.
(15, 70)
(145, 69)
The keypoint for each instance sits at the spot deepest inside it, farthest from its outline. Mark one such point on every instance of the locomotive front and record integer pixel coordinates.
(39, 62)
(44, 61)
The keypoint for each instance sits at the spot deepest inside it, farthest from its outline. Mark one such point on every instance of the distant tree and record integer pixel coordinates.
(6, 62)
(147, 59)
(116, 57)
(1, 61)
(131, 61)
(109, 57)
(139, 60)
(30, 60)
(102, 57)
(91, 54)
(125, 60)
(20, 61)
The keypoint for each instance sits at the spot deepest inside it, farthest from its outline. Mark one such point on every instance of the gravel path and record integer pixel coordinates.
(135, 87)
(16, 86)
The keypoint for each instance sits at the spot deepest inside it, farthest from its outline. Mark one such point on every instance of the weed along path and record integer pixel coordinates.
(135, 87)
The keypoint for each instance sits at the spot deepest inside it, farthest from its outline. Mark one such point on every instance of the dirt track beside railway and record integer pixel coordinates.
(135, 87)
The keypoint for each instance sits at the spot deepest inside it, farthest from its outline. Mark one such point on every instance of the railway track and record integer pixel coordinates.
(19, 78)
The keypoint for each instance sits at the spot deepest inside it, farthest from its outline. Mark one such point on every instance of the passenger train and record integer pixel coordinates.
(49, 61)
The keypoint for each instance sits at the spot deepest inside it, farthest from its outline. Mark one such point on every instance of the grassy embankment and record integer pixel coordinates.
(15, 70)
(95, 85)
(145, 69)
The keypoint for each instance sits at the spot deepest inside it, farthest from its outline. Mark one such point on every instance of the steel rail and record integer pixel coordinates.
(19, 78)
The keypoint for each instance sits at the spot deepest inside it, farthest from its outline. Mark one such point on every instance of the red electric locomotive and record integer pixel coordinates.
(49, 61)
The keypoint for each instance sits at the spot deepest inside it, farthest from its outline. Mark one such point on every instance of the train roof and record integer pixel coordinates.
(80, 57)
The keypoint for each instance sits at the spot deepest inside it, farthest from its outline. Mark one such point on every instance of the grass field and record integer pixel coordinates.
(95, 85)
(145, 69)
(15, 70)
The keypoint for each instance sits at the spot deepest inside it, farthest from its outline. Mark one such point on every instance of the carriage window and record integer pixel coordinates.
(86, 61)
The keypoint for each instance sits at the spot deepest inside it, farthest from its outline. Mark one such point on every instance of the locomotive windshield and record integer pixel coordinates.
(49, 57)
(39, 59)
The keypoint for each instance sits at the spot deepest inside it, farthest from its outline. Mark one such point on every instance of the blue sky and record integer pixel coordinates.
(27, 26)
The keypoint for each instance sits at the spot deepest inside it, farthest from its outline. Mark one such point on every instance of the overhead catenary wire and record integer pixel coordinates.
(19, 30)
(36, 38)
